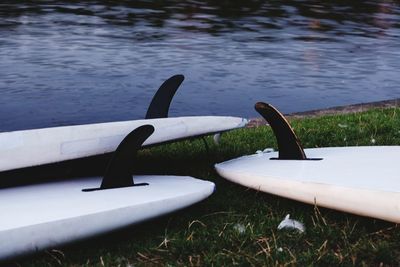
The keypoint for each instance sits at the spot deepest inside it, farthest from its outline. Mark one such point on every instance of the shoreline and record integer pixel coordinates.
(254, 122)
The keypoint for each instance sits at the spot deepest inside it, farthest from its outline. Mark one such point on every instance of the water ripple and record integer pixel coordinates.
(69, 63)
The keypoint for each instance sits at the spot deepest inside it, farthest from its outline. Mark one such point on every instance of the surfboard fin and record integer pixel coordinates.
(119, 170)
(289, 145)
(161, 101)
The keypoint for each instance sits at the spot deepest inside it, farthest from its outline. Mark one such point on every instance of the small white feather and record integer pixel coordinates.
(291, 224)
(217, 138)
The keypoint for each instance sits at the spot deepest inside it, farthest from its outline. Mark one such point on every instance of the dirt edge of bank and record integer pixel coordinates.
(253, 122)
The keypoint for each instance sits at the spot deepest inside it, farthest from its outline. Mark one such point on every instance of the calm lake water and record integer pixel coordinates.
(97, 61)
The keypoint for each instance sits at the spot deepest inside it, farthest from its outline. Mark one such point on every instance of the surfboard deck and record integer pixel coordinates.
(27, 148)
(359, 180)
(41, 216)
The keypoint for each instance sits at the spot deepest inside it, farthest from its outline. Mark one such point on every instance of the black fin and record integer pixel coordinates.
(289, 145)
(161, 101)
(119, 170)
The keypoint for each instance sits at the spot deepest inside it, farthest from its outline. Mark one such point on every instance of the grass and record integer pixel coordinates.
(238, 226)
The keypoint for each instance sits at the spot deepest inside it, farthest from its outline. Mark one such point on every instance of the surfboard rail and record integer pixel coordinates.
(361, 180)
(28, 148)
(31, 223)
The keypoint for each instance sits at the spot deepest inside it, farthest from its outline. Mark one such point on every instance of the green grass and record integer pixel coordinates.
(238, 226)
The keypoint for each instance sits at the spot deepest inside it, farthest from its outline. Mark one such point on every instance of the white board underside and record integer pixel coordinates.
(359, 180)
(40, 216)
(28, 148)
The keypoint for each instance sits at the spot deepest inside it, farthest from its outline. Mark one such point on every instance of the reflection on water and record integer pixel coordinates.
(69, 63)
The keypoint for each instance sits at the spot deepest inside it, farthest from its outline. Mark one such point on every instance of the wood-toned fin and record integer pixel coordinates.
(119, 170)
(161, 101)
(289, 145)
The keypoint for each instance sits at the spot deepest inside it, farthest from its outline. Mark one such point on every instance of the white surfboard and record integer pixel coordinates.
(19, 149)
(41, 216)
(359, 180)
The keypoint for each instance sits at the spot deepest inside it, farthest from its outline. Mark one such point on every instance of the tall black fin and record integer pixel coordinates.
(289, 145)
(161, 101)
(119, 170)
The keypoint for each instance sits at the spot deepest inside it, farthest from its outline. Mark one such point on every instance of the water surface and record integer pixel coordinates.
(64, 63)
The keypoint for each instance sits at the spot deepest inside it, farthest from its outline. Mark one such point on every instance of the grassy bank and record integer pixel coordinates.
(238, 226)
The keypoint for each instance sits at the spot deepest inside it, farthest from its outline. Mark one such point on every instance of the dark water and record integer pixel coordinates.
(67, 63)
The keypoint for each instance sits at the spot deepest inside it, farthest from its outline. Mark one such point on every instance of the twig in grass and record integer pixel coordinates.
(322, 247)
(58, 252)
(190, 237)
(354, 226)
(353, 259)
(196, 221)
(313, 221)
(309, 243)
(274, 238)
(345, 238)
(164, 242)
(383, 230)
(223, 229)
(294, 260)
(318, 214)
(51, 254)
(339, 255)
(372, 244)
(266, 250)
(351, 248)
(148, 259)
(197, 257)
